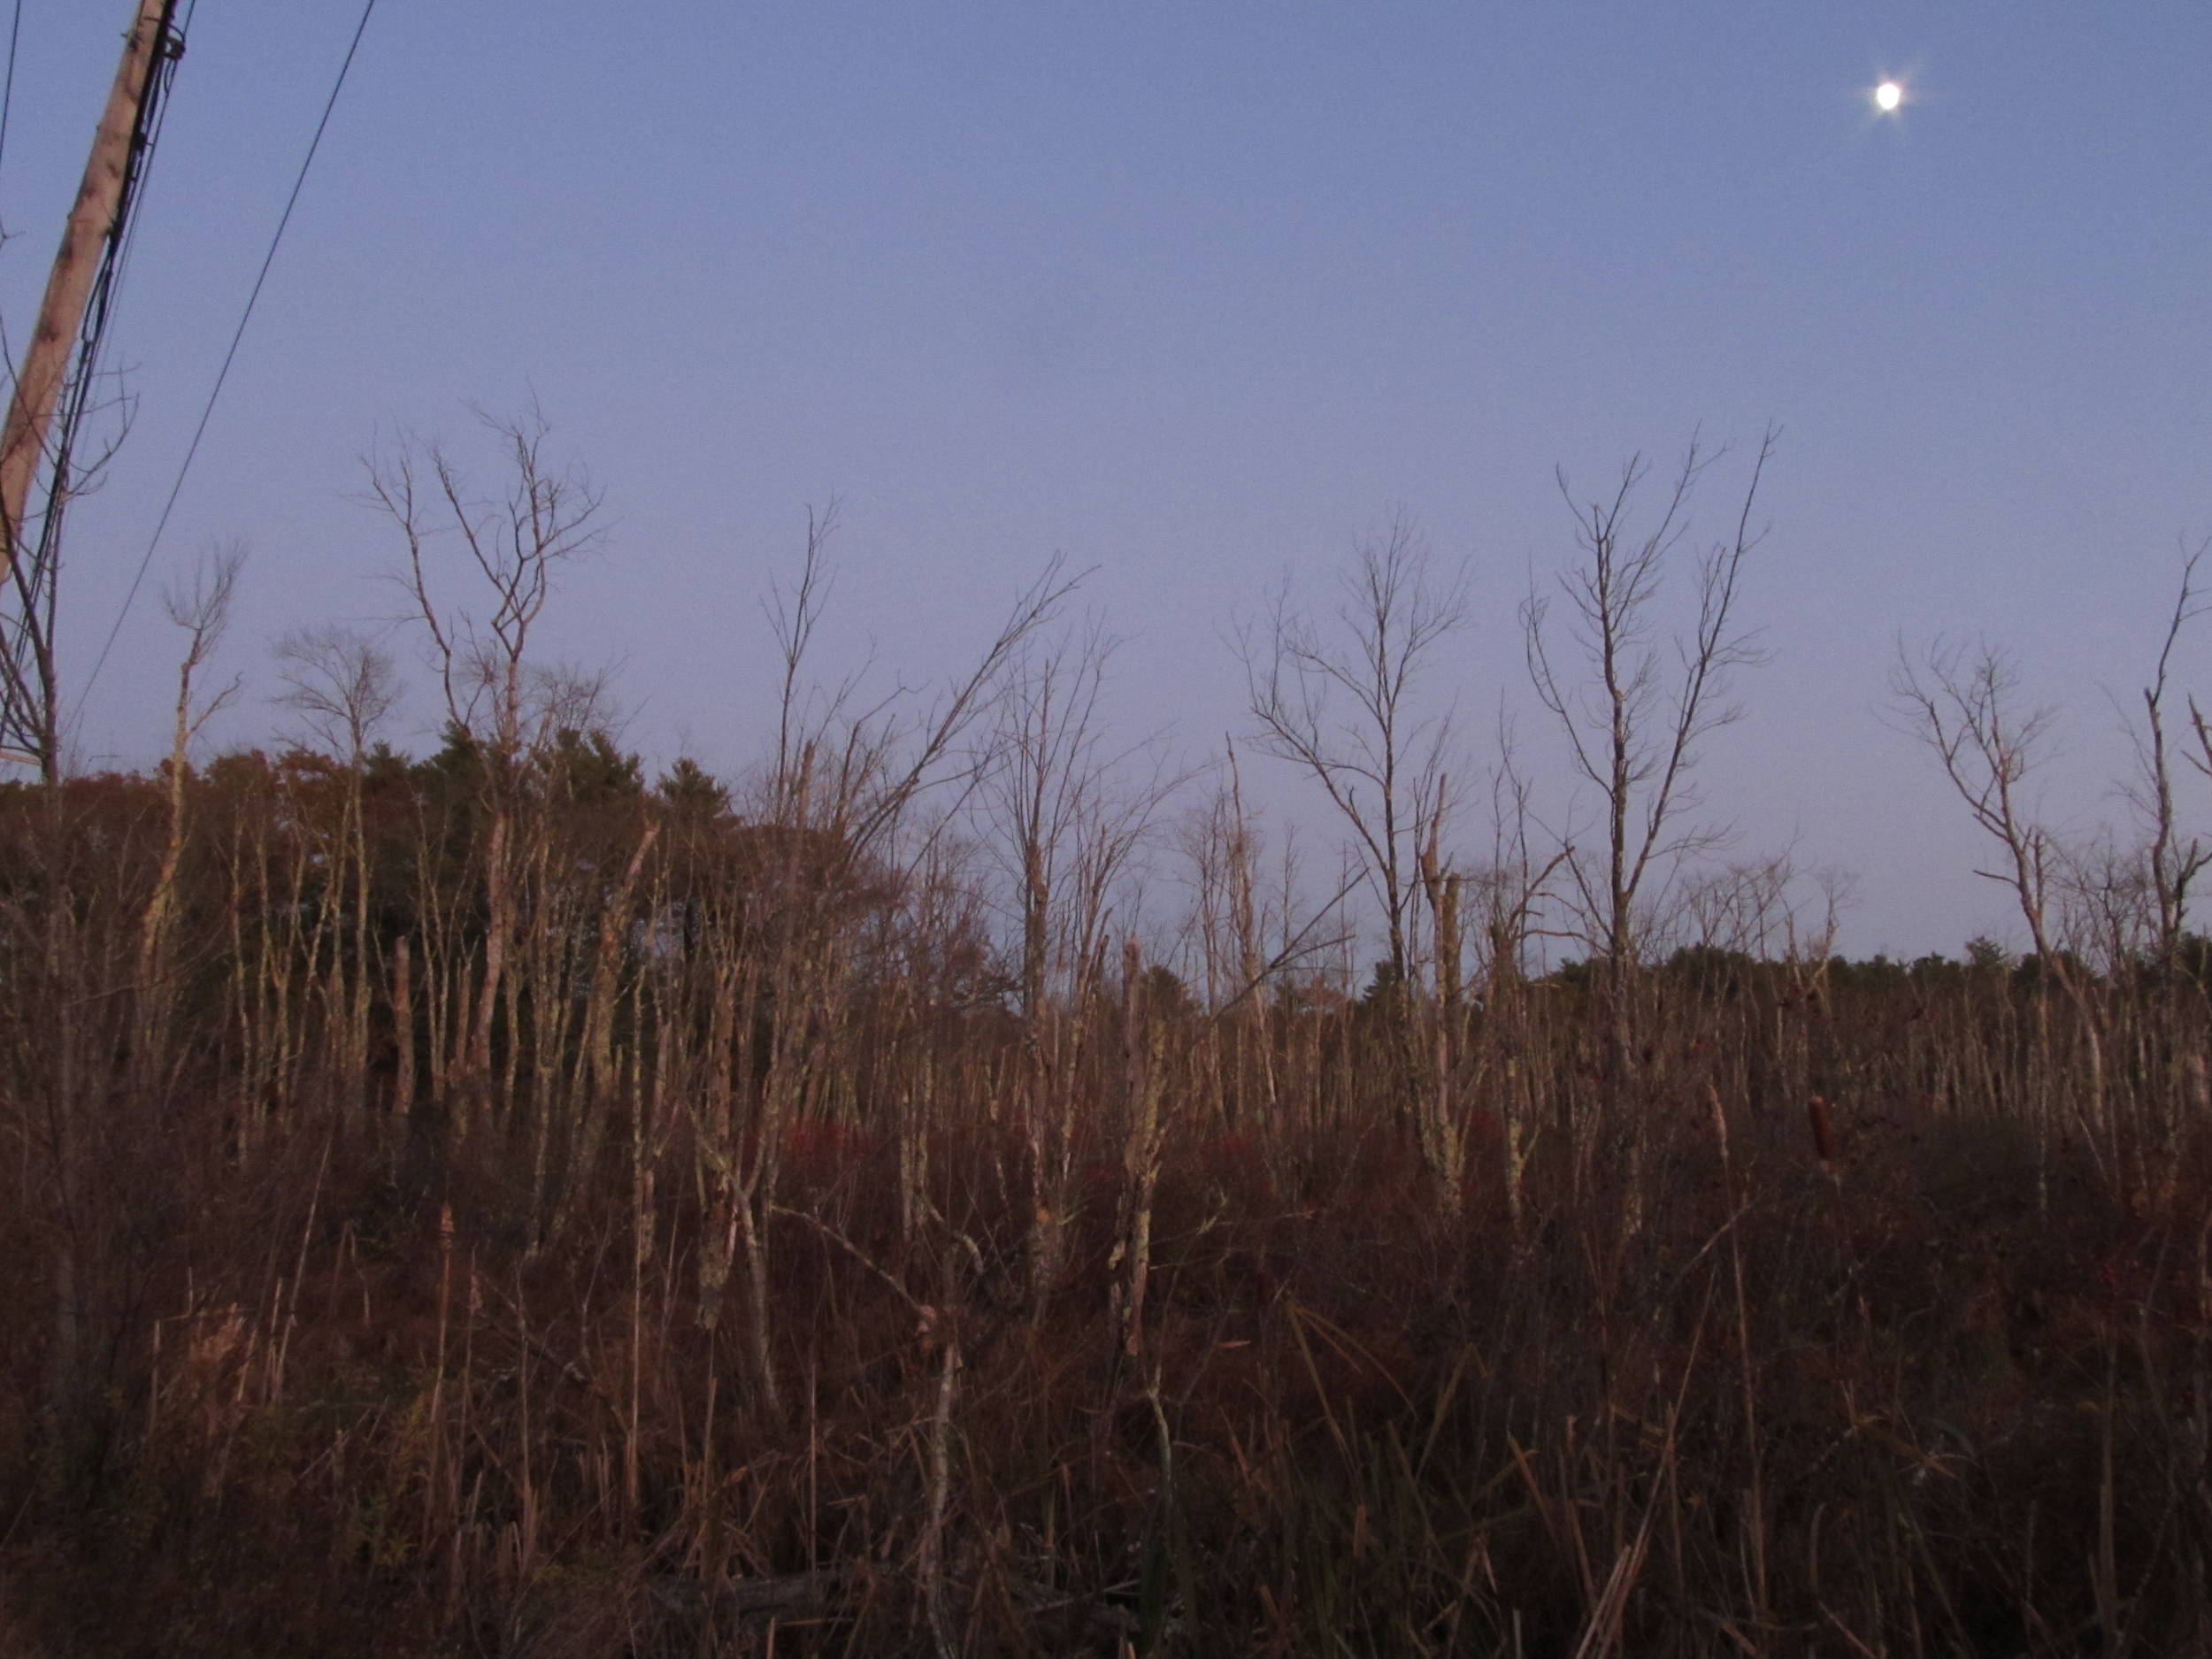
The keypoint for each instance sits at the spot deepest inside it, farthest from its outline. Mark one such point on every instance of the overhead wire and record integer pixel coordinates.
(30, 633)
(230, 357)
(7, 105)
(7, 85)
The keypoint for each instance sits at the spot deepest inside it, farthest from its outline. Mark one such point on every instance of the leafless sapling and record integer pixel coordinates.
(1341, 699)
(1635, 704)
(2172, 861)
(499, 698)
(1962, 701)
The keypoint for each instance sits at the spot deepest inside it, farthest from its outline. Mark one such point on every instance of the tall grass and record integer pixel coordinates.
(610, 1225)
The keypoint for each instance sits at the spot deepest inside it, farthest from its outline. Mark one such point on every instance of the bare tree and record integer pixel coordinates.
(344, 687)
(2107, 903)
(853, 767)
(1963, 702)
(30, 680)
(1637, 718)
(846, 776)
(1063, 808)
(1342, 704)
(516, 542)
(1221, 849)
(1512, 888)
(497, 695)
(201, 609)
(1065, 811)
(793, 614)
(2171, 861)
(341, 683)
(1744, 908)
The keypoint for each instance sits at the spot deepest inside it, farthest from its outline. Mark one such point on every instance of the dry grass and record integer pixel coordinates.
(693, 1306)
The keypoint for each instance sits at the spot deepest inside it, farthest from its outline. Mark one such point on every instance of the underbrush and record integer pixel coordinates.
(1950, 1396)
(457, 1215)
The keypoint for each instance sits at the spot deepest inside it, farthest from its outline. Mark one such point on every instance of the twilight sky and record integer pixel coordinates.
(1195, 293)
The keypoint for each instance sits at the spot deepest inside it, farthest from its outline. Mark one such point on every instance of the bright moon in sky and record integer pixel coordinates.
(1888, 96)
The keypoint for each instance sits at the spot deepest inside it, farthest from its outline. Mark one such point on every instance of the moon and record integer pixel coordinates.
(1887, 96)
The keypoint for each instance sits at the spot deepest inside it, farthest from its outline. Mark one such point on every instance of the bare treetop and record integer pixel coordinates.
(1635, 702)
(1341, 703)
(516, 540)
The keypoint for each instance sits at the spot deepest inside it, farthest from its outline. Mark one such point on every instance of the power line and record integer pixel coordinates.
(230, 356)
(7, 88)
(7, 105)
(122, 240)
(27, 712)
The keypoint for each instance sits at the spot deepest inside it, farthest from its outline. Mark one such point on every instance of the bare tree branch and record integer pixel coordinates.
(340, 683)
(1634, 726)
(1382, 762)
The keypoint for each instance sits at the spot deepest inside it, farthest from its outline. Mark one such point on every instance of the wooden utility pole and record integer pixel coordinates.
(38, 381)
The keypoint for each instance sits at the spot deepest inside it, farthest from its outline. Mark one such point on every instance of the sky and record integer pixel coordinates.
(1194, 295)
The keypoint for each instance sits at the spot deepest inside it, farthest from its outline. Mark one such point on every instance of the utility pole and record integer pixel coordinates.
(38, 383)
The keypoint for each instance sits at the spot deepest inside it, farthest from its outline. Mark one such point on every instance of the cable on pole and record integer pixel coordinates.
(230, 356)
(7, 86)
(27, 648)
